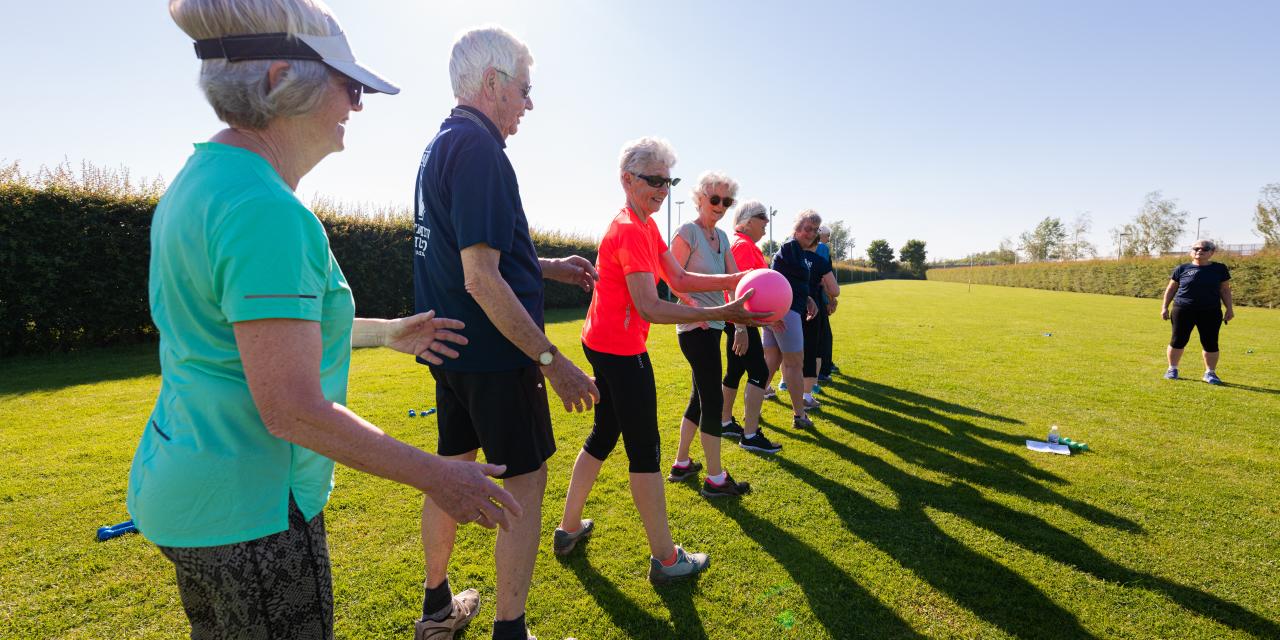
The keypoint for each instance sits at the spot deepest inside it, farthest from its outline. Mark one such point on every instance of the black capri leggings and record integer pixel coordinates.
(628, 407)
(812, 345)
(751, 363)
(701, 347)
(828, 343)
(1207, 320)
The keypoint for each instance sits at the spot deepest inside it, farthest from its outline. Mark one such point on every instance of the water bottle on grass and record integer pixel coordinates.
(1053, 435)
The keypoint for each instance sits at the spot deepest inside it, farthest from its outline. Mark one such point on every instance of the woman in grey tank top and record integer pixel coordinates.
(701, 247)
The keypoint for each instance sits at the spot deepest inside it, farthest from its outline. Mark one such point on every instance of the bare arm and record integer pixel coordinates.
(282, 366)
(575, 270)
(644, 295)
(1168, 297)
(1225, 291)
(484, 282)
(830, 286)
(680, 250)
(680, 280)
(422, 335)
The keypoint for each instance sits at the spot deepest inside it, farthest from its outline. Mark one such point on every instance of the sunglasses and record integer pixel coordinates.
(524, 91)
(354, 89)
(761, 217)
(1201, 249)
(716, 200)
(658, 182)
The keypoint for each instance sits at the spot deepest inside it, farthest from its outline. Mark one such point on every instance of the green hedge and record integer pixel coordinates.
(75, 260)
(1255, 280)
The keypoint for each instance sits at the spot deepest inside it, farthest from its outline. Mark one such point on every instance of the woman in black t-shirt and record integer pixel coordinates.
(1198, 289)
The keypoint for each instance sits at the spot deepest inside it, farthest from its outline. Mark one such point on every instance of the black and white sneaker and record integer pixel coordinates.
(758, 443)
(731, 430)
(680, 474)
(801, 422)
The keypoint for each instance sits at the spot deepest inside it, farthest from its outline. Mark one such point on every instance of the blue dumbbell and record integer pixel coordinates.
(116, 530)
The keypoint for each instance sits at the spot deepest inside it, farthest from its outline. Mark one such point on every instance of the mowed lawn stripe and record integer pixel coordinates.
(913, 509)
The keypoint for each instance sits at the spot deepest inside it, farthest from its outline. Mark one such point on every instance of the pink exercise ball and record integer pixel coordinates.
(772, 293)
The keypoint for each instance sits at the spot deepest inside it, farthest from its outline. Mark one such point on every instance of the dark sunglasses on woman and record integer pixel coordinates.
(716, 200)
(658, 182)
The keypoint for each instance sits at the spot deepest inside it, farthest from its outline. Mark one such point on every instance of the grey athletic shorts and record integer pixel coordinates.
(791, 340)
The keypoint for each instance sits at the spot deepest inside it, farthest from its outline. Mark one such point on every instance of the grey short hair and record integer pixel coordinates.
(748, 210)
(824, 230)
(1207, 244)
(709, 179)
(481, 49)
(808, 215)
(239, 92)
(643, 152)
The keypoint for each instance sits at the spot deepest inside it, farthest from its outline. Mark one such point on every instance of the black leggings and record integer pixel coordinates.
(812, 345)
(701, 347)
(628, 407)
(1207, 320)
(751, 363)
(827, 344)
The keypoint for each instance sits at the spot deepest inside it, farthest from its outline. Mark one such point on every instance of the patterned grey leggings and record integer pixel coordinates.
(278, 586)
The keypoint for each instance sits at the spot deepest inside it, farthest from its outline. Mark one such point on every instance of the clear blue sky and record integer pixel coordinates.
(958, 123)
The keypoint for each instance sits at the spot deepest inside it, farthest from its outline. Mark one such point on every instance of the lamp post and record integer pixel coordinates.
(772, 212)
(1198, 227)
(1120, 252)
(679, 213)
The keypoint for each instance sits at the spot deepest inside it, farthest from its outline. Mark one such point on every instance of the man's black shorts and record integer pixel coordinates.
(503, 412)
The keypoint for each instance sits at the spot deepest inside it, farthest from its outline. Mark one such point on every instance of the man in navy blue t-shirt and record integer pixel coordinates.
(473, 260)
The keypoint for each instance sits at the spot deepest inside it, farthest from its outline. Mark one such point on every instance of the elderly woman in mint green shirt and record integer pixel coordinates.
(256, 325)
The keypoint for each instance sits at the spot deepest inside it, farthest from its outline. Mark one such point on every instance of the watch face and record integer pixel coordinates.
(545, 358)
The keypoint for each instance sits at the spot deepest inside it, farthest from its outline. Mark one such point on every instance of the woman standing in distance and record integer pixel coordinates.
(632, 257)
(817, 330)
(256, 324)
(743, 351)
(784, 341)
(1198, 290)
(701, 247)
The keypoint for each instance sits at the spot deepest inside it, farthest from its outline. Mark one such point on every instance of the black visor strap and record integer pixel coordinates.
(258, 46)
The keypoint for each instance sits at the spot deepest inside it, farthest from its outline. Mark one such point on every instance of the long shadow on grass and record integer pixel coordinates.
(843, 607)
(908, 430)
(25, 374)
(630, 617)
(1233, 385)
(985, 587)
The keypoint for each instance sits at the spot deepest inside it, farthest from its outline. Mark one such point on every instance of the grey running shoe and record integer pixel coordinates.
(563, 542)
(731, 430)
(801, 422)
(729, 489)
(680, 474)
(465, 606)
(811, 403)
(1171, 374)
(687, 565)
(1212, 378)
(770, 393)
(757, 442)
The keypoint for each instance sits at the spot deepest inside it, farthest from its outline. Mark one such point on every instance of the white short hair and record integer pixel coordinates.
(644, 152)
(239, 91)
(808, 215)
(711, 179)
(748, 210)
(481, 49)
(824, 230)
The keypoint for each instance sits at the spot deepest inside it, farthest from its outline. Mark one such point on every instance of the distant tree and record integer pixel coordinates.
(769, 248)
(1267, 216)
(913, 253)
(880, 254)
(1045, 242)
(1155, 229)
(1077, 247)
(841, 241)
(1124, 238)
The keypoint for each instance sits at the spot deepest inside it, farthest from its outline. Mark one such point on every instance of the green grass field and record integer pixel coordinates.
(914, 508)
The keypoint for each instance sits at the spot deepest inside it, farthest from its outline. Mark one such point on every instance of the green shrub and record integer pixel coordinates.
(75, 250)
(1255, 280)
